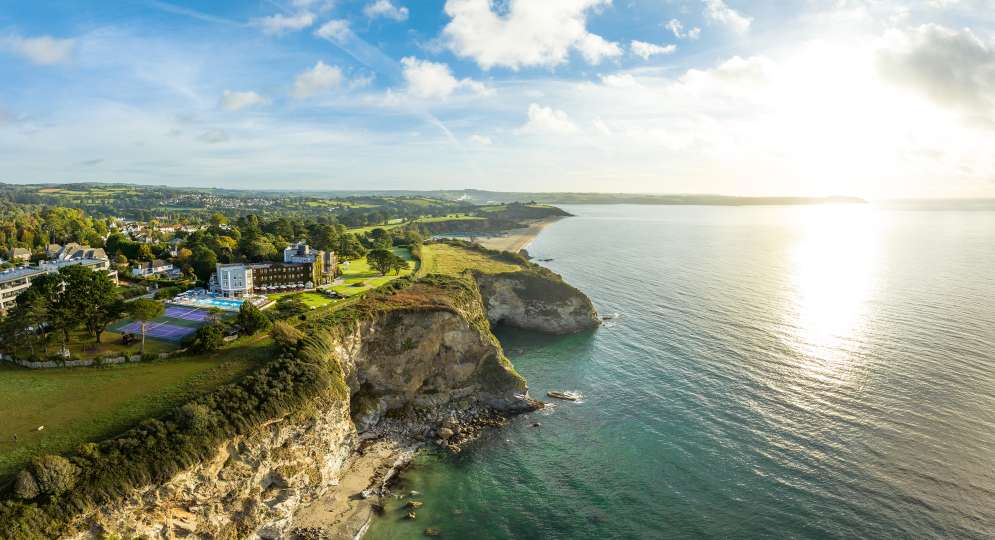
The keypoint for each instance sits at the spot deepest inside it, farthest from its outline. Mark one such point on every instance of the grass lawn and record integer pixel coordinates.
(360, 272)
(310, 299)
(83, 346)
(451, 217)
(78, 405)
(446, 259)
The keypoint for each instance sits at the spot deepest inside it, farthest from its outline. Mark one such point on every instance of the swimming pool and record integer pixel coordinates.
(227, 304)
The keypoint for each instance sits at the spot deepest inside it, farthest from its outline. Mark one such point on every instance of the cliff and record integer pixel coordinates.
(416, 362)
(536, 299)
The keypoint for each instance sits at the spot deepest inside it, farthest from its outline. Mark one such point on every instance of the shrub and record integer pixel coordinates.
(285, 335)
(25, 486)
(53, 475)
(208, 338)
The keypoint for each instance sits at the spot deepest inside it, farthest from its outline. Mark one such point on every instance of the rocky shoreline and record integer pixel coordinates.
(385, 450)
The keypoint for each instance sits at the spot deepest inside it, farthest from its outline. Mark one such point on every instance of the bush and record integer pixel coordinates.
(53, 475)
(208, 338)
(168, 292)
(285, 335)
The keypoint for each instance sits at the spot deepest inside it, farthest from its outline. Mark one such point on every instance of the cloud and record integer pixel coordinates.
(528, 34)
(233, 101)
(213, 136)
(334, 30)
(431, 80)
(319, 79)
(385, 9)
(677, 27)
(482, 140)
(718, 12)
(547, 120)
(279, 23)
(646, 50)
(952, 67)
(42, 50)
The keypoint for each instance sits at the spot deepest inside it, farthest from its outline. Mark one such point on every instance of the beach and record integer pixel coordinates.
(517, 239)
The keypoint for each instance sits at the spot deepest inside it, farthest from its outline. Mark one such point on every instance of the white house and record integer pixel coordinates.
(157, 266)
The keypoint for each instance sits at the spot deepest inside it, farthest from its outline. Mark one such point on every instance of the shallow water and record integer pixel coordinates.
(811, 372)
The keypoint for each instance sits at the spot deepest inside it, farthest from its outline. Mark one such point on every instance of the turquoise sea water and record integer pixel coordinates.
(812, 372)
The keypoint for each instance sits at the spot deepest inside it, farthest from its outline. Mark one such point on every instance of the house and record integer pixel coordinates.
(52, 251)
(13, 282)
(155, 267)
(20, 254)
(323, 261)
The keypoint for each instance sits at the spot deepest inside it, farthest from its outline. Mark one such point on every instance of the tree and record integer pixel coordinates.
(208, 338)
(203, 262)
(380, 260)
(25, 324)
(92, 296)
(144, 310)
(381, 238)
(145, 252)
(251, 318)
(397, 264)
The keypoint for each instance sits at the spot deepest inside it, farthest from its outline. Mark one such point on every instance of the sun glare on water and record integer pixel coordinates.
(834, 265)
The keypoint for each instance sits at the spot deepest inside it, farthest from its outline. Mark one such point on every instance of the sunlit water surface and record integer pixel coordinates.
(810, 372)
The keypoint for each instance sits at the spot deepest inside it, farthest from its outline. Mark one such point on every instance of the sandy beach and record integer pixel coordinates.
(516, 239)
(343, 513)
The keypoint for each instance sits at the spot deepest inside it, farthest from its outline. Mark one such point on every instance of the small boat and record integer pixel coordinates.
(569, 396)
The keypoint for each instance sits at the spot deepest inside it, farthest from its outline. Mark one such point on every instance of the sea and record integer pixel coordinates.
(766, 372)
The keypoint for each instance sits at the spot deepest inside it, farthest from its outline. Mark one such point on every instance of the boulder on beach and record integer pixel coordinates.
(446, 433)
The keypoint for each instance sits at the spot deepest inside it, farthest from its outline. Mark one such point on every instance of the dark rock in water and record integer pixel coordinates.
(432, 531)
(536, 424)
(524, 253)
(378, 509)
(415, 505)
(411, 515)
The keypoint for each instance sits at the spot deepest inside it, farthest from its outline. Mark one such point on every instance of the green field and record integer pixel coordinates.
(77, 405)
(447, 259)
(311, 299)
(358, 272)
(82, 346)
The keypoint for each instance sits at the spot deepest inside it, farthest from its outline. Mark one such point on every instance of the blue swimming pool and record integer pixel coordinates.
(227, 304)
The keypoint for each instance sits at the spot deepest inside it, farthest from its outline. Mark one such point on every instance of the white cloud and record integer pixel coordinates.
(529, 33)
(319, 79)
(952, 67)
(385, 9)
(42, 50)
(482, 140)
(677, 27)
(431, 80)
(233, 101)
(213, 136)
(279, 23)
(547, 120)
(646, 50)
(619, 80)
(718, 12)
(334, 30)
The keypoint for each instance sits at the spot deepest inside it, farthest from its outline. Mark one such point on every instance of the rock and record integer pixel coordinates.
(411, 515)
(536, 424)
(414, 493)
(446, 433)
(415, 505)
(432, 531)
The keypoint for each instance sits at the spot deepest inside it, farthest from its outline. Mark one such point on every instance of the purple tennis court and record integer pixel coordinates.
(188, 314)
(164, 331)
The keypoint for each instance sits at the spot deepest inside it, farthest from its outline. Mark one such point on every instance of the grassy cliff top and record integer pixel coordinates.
(453, 257)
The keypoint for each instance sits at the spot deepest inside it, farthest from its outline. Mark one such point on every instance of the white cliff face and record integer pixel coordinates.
(538, 303)
(250, 489)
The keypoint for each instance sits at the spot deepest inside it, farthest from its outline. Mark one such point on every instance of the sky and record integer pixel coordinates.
(873, 98)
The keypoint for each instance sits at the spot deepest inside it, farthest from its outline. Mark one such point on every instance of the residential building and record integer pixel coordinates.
(158, 266)
(13, 282)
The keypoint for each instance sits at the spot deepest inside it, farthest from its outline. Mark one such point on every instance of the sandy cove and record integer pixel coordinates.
(517, 239)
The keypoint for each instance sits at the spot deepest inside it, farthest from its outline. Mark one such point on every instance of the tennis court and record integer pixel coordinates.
(188, 314)
(159, 330)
